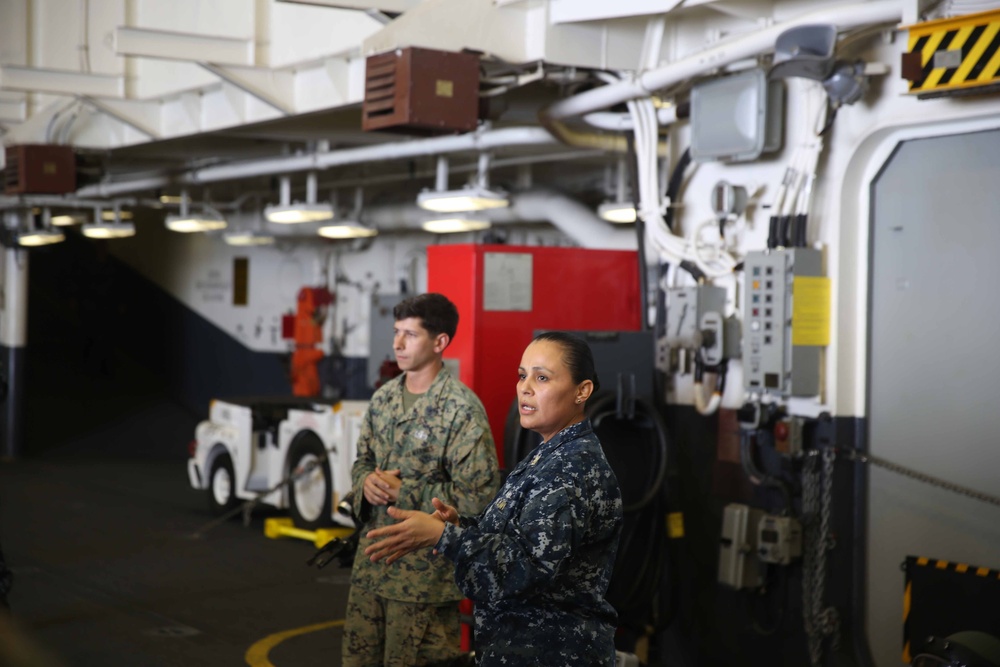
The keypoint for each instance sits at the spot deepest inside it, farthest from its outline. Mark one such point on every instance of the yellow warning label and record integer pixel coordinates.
(954, 53)
(675, 525)
(810, 310)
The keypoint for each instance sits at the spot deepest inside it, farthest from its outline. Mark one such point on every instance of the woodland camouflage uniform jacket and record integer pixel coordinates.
(444, 449)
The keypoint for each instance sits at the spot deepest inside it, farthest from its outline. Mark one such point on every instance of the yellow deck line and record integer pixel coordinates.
(257, 654)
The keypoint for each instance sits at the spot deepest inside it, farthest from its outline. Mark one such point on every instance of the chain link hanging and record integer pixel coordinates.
(817, 503)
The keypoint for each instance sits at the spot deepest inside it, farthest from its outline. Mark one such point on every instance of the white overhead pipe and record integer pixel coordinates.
(538, 205)
(480, 140)
(729, 51)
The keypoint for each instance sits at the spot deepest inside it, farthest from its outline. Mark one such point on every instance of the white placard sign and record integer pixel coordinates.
(507, 281)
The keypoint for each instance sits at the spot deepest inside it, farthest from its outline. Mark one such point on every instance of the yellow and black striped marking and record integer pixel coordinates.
(954, 55)
(940, 594)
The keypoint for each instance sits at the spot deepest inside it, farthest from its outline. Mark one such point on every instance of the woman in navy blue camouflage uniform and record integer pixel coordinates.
(538, 560)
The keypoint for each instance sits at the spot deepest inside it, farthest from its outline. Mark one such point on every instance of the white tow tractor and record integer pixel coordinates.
(248, 446)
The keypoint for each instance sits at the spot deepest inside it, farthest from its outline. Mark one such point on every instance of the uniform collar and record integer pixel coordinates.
(573, 432)
(433, 392)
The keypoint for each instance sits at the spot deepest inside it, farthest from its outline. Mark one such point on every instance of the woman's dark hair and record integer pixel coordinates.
(577, 355)
(435, 311)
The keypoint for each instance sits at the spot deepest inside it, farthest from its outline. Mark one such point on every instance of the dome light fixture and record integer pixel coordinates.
(247, 238)
(475, 197)
(109, 227)
(348, 229)
(287, 213)
(68, 219)
(207, 220)
(34, 237)
(619, 211)
(457, 223)
(109, 230)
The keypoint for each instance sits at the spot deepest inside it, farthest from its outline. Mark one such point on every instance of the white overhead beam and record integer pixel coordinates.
(61, 82)
(573, 11)
(378, 5)
(13, 110)
(183, 46)
(141, 116)
(275, 88)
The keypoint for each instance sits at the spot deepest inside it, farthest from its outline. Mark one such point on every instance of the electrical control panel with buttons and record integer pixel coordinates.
(772, 361)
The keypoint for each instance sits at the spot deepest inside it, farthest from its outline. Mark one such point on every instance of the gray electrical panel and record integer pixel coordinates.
(782, 353)
(381, 324)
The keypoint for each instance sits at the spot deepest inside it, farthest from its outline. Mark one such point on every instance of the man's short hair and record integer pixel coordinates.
(437, 314)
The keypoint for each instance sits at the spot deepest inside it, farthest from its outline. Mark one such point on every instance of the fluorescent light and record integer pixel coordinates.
(110, 215)
(295, 213)
(188, 224)
(459, 223)
(109, 230)
(617, 212)
(40, 237)
(248, 238)
(68, 219)
(474, 198)
(171, 199)
(346, 230)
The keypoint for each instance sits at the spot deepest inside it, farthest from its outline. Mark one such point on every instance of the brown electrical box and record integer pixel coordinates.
(39, 169)
(422, 91)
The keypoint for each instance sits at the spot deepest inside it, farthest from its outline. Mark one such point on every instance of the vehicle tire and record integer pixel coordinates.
(310, 497)
(221, 485)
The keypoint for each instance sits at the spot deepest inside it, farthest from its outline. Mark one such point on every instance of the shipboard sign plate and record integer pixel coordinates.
(507, 281)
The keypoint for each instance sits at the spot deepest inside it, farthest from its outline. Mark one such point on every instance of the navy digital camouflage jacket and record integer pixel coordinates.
(538, 560)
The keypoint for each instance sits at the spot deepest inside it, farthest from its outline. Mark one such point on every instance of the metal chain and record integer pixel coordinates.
(817, 505)
(828, 618)
(923, 477)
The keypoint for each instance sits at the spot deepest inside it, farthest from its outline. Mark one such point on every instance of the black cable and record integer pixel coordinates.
(755, 475)
(599, 411)
(800, 230)
(772, 232)
(674, 186)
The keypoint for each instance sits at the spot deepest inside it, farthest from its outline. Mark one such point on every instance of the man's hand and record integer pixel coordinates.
(444, 512)
(415, 530)
(382, 486)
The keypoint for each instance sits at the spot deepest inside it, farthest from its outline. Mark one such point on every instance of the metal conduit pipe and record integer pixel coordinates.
(845, 16)
(480, 140)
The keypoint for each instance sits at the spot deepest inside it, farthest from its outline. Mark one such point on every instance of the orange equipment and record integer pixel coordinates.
(307, 332)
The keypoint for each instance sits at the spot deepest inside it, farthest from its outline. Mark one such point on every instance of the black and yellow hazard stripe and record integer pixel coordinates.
(954, 54)
(942, 565)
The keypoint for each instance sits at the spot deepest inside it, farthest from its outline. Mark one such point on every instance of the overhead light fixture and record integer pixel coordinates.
(109, 230)
(286, 213)
(67, 219)
(44, 235)
(171, 199)
(618, 211)
(347, 229)
(474, 197)
(458, 223)
(39, 237)
(112, 215)
(115, 229)
(247, 238)
(207, 220)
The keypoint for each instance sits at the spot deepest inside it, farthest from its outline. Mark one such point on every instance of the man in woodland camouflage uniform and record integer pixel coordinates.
(425, 435)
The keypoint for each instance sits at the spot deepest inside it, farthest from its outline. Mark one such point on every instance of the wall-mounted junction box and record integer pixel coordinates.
(779, 539)
(786, 321)
(738, 564)
(686, 310)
